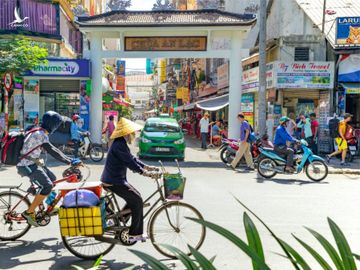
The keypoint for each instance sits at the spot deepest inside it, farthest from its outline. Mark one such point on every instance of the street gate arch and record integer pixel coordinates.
(167, 34)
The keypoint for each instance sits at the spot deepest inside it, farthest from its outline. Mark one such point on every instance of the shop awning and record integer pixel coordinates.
(351, 88)
(213, 104)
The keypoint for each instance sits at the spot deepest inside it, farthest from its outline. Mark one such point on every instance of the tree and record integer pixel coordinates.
(20, 55)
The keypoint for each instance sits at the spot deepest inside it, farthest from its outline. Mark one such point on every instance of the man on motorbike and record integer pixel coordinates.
(76, 132)
(114, 177)
(282, 137)
(34, 168)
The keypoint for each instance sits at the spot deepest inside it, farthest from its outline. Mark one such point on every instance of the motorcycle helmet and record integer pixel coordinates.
(75, 117)
(51, 121)
(284, 119)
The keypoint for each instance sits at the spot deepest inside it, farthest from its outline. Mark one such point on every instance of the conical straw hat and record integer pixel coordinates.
(125, 127)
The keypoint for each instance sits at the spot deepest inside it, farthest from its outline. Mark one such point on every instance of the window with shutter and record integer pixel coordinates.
(302, 54)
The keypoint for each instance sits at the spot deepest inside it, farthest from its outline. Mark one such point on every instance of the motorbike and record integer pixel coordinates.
(229, 147)
(87, 147)
(352, 149)
(271, 163)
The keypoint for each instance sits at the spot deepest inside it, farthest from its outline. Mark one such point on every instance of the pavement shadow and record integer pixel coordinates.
(262, 180)
(12, 251)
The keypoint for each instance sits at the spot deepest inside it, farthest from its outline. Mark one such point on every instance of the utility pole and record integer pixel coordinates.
(323, 18)
(262, 68)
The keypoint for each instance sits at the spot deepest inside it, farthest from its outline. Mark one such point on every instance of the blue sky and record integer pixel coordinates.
(136, 64)
(142, 4)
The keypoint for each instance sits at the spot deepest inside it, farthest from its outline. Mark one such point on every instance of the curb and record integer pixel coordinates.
(342, 171)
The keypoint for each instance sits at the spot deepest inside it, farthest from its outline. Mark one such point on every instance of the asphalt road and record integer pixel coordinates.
(285, 204)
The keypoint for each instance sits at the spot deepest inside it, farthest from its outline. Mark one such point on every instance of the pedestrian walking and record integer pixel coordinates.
(204, 130)
(291, 126)
(244, 145)
(305, 126)
(109, 129)
(315, 131)
(341, 140)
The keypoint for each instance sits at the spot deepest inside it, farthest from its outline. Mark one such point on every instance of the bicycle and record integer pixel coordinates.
(164, 227)
(15, 200)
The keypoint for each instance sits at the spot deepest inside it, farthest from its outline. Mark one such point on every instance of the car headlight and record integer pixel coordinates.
(144, 140)
(180, 141)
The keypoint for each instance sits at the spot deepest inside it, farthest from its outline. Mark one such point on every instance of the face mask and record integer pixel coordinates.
(79, 123)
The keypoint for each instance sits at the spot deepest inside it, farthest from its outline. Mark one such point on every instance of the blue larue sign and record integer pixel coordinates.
(348, 31)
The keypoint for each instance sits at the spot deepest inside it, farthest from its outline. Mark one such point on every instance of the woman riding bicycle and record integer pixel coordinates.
(119, 159)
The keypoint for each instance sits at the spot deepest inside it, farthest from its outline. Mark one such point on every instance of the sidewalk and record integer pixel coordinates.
(334, 166)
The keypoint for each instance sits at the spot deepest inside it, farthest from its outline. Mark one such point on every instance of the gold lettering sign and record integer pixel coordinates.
(165, 43)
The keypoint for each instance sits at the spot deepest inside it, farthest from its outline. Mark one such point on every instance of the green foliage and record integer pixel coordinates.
(124, 111)
(20, 55)
(94, 267)
(342, 258)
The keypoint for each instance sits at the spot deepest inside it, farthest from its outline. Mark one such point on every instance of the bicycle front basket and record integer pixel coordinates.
(174, 185)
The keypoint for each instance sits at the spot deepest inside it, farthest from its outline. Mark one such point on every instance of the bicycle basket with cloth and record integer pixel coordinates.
(174, 186)
(79, 220)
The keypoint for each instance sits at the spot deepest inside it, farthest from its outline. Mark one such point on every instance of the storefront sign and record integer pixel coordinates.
(18, 83)
(250, 78)
(165, 43)
(31, 102)
(311, 75)
(223, 76)
(162, 65)
(39, 17)
(62, 68)
(247, 107)
(349, 68)
(350, 91)
(348, 31)
(120, 78)
(206, 90)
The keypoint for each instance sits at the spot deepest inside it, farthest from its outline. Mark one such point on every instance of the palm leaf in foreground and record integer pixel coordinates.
(315, 254)
(260, 263)
(151, 261)
(343, 246)
(278, 240)
(331, 251)
(185, 259)
(253, 238)
(296, 256)
(203, 262)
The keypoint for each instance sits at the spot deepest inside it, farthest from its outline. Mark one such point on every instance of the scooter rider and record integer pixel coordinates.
(282, 137)
(76, 132)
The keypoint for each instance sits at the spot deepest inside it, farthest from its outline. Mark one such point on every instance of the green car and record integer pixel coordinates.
(162, 137)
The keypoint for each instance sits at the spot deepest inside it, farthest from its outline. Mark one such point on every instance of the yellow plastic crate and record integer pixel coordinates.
(80, 221)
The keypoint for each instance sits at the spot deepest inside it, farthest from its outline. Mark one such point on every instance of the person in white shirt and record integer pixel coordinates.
(204, 129)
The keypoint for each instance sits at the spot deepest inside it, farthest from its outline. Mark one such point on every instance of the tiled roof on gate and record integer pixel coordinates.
(334, 9)
(168, 18)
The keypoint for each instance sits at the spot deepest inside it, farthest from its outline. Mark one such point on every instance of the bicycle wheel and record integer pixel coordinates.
(88, 247)
(12, 224)
(169, 225)
(96, 153)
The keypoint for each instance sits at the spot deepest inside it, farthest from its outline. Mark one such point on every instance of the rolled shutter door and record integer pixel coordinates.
(72, 86)
(301, 94)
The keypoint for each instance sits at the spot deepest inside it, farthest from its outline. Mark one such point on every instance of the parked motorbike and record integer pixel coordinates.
(352, 149)
(229, 147)
(271, 163)
(87, 147)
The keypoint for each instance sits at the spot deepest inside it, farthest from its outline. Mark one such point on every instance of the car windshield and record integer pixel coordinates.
(162, 127)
